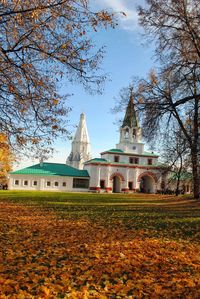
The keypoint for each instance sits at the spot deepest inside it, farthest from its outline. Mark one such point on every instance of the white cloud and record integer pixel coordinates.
(128, 22)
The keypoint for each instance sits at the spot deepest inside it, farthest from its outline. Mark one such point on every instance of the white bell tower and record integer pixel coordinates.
(130, 131)
(80, 151)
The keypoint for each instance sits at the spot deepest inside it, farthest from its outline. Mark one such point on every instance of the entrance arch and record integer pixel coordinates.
(116, 184)
(117, 178)
(147, 182)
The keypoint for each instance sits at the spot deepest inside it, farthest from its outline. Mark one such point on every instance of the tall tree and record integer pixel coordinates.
(6, 159)
(175, 155)
(172, 92)
(42, 41)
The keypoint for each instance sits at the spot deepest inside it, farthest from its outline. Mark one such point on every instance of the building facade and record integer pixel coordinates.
(126, 168)
(49, 177)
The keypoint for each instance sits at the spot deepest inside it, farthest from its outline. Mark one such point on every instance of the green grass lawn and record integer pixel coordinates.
(98, 246)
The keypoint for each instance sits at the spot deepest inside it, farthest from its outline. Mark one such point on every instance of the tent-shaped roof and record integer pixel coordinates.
(130, 118)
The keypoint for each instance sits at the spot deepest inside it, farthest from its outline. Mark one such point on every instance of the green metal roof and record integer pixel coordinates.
(184, 176)
(51, 169)
(115, 150)
(97, 160)
(151, 154)
(119, 151)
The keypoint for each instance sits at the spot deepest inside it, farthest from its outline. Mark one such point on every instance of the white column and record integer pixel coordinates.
(127, 177)
(99, 177)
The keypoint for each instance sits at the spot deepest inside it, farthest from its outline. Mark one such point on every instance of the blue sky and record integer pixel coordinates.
(125, 57)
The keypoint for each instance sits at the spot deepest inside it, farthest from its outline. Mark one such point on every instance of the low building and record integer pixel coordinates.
(49, 177)
(185, 183)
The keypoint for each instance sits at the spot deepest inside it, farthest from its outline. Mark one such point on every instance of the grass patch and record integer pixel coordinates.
(157, 215)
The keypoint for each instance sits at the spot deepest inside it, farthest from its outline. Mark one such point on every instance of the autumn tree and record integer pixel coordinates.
(172, 91)
(175, 155)
(41, 42)
(6, 159)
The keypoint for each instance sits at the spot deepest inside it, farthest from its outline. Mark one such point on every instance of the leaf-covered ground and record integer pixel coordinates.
(56, 245)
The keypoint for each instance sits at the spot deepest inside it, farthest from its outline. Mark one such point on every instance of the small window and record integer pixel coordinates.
(25, 183)
(16, 182)
(130, 185)
(136, 161)
(102, 184)
(48, 184)
(127, 133)
(116, 158)
(64, 184)
(149, 161)
(34, 183)
(131, 160)
(56, 184)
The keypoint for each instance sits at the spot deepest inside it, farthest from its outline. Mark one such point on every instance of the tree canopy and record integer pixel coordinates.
(171, 93)
(6, 159)
(41, 42)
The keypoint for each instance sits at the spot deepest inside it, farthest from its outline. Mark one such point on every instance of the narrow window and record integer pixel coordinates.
(116, 158)
(130, 185)
(136, 161)
(131, 160)
(127, 134)
(16, 182)
(48, 184)
(34, 183)
(64, 184)
(25, 183)
(56, 184)
(102, 184)
(149, 161)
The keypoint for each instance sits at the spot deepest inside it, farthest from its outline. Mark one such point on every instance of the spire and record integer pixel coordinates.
(81, 132)
(80, 151)
(130, 119)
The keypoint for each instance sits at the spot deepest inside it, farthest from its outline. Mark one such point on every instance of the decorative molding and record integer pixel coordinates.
(148, 173)
(119, 174)
(95, 188)
(125, 190)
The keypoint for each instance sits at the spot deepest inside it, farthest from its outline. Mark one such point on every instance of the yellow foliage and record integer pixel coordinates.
(6, 158)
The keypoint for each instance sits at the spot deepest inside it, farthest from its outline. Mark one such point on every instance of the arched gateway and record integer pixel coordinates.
(116, 179)
(148, 182)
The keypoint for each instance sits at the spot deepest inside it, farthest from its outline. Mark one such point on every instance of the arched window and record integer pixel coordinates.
(127, 133)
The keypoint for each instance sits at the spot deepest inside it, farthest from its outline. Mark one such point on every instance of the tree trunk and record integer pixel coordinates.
(195, 173)
(177, 185)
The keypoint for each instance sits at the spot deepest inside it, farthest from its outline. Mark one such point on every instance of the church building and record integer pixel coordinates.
(125, 168)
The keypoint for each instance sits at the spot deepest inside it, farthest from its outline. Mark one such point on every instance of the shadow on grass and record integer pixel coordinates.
(157, 215)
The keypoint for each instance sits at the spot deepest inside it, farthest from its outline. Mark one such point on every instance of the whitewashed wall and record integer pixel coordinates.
(42, 183)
